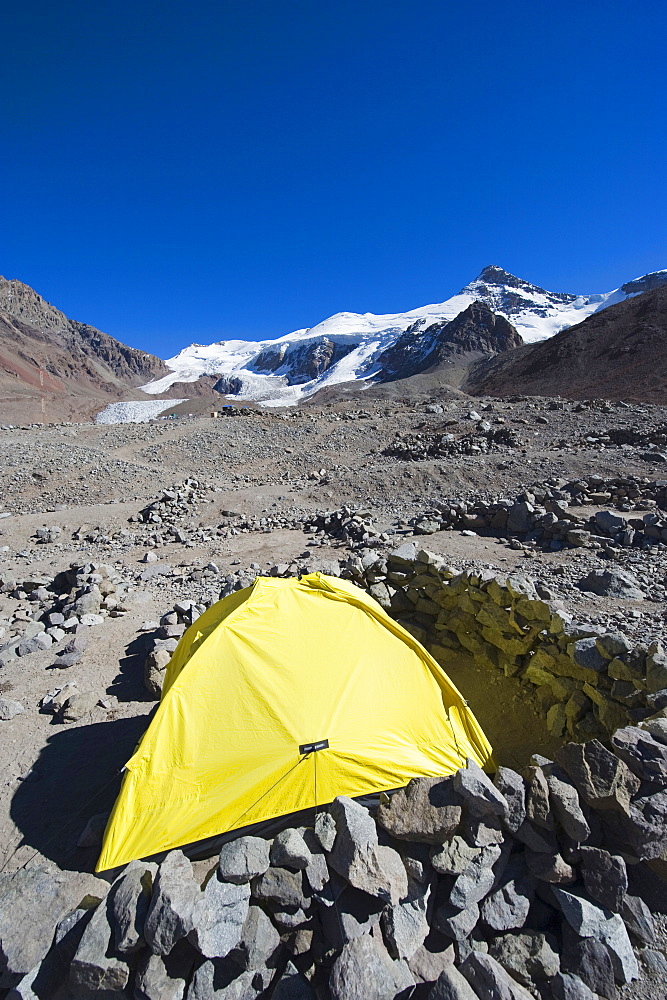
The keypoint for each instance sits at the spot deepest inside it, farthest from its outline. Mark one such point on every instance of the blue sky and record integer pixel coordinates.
(217, 169)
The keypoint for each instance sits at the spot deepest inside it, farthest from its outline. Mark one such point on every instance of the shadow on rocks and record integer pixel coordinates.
(128, 685)
(76, 776)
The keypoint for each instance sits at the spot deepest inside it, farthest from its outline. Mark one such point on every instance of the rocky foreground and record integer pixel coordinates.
(457, 888)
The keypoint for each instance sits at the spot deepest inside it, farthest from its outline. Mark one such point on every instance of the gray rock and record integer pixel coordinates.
(325, 830)
(32, 902)
(511, 787)
(589, 959)
(477, 880)
(451, 985)
(612, 583)
(243, 859)
(565, 803)
(219, 980)
(430, 960)
(282, 888)
(9, 709)
(585, 653)
(454, 857)
(92, 969)
(489, 980)
(93, 832)
(405, 924)
(566, 986)
(506, 908)
(365, 971)
(317, 871)
(259, 941)
(602, 780)
(162, 979)
(550, 867)
(645, 756)
(353, 914)
(656, 669)
(589, 920)
(478, 791)
(638, 919)
(529, 957)
(605, 877)
(538, 809)
(289, 850)
(357, 856)
(455, 923)
(175, 904)
(221, 915)
(655, 963)
(537, 838)
(482, 832)
(129, 899)
(427, 810)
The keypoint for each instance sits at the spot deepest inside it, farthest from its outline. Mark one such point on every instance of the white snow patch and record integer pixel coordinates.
(136, 411)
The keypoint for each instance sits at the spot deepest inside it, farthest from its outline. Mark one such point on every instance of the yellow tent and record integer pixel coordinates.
(279, 698)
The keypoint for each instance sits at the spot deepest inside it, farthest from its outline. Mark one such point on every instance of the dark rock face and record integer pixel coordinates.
(477, 330)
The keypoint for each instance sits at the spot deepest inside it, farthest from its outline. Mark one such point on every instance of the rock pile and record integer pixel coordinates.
(459, 887)
(422, 445)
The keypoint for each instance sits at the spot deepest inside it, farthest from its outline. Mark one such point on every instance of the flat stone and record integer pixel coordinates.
(638, 919)
(282, 888)
(244, 859)
(454, 857)
(645, 756)
(427, 810)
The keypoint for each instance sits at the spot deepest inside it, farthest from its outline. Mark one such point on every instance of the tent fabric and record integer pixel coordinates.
(281, 664)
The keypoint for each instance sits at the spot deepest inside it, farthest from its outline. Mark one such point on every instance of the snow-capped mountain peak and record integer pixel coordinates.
(350, 346)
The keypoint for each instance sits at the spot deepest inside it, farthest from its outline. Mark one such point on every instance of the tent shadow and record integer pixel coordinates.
(128, 685)
(76, 776)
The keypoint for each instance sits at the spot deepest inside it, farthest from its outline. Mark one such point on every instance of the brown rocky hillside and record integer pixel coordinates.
(619, 353)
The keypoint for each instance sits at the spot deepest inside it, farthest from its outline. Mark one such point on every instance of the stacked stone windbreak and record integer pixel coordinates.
(544, 514)
(588, 682)
(455, 888)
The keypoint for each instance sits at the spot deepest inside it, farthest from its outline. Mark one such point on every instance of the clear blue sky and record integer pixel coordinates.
(175, 171)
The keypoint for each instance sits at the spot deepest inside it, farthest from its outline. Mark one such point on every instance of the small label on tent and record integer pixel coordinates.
(311, 747)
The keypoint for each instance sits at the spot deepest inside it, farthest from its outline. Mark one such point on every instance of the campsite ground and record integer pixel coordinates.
(89, 481)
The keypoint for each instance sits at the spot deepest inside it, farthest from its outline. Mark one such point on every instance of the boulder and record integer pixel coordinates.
(566, 986)
(479, 793)
(601, 778)
(92, 969)
(175, 904)
(605, 877)
(507, 907)
(612, 583)
(243, 859)
(357, 856)
(405, 924)
(129, 899)
(588, 919)
(427, 810)
(638, 919)
(565, 804)
(489, 980)
(477, 880)
(217, 979)
(365, 971)
(512, 788)
(530, 957)
(451, 985)
(289, 850)
(538, 809)
(32, 902)
(259, 941)
(645, 756)
(454, 857)
(283, 889)
(221, 914)
(589, 959)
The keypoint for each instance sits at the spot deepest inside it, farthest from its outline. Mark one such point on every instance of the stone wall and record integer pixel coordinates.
(588, 682)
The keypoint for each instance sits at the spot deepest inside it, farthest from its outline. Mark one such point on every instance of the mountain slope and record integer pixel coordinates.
(620, 353)
(365, 348)
(53, 367)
